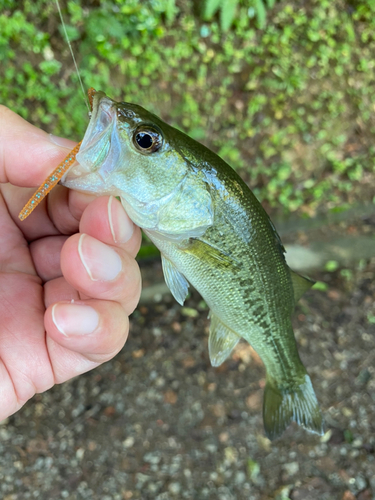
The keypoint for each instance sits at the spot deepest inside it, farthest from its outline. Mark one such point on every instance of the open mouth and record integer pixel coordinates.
(80, 168)
(100, 149)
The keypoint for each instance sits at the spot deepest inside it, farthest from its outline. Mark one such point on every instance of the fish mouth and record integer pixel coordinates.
(100, 104)
(99, 153)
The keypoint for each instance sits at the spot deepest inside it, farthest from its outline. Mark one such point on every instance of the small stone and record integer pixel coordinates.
(170, 397)
(138, 353)
(189, 312)
(347, 412)
(189, 362)
(4, 434)
(92, 445)
(187, 473)
(176, 327)
(240, 477)
(365, 495)
(348, 495)
(223, 437)
(326, 436)
(152, 458)
(264, 443)
(254, 401)
(291, 468)
(153, 487)
(360, 483)
(357, 443)
(128, 442)
(175, 488)
(18, 465)
(230, 454)
(141, 479)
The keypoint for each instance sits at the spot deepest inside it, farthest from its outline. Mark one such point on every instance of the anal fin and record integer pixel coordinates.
(176, 282)
(221, 341)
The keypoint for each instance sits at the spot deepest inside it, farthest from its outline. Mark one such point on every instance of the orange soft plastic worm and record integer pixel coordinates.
(54, 178)
(49, 183)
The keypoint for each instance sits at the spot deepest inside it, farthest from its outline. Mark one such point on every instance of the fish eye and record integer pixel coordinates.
(147, 139)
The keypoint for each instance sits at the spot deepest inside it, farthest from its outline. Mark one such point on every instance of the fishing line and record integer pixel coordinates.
(69, 160)
(72, 53)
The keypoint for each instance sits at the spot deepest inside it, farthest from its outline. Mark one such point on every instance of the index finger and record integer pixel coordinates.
(27, 153)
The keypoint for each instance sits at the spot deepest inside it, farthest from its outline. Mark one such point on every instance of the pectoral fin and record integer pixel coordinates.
(300, 284)
(208, 253)
(221, 341)
(176, 282)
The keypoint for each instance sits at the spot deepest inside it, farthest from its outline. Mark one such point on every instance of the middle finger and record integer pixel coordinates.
(101, 271)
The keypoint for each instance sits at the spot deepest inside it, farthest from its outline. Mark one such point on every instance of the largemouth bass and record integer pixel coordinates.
(212, 233)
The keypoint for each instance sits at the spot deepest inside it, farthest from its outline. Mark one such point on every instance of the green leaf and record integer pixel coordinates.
(210, 9)
(189, 312)
(261, 13)
(253, 470)
(271, 3)
(331, 266)
(170, 10)
(72, 32)
(320, 285)
(227, 14)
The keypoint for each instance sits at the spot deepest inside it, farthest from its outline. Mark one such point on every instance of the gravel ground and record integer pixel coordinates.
(158, 422)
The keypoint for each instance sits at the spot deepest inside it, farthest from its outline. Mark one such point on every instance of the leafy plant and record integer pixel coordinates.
(288, 103)
(229, 11)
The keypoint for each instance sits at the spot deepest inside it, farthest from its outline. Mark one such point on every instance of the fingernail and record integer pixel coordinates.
(101, 262)
(75, 319)
(62, 142)
(122, 228)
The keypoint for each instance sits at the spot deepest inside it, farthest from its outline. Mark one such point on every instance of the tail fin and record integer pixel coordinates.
(282, 406)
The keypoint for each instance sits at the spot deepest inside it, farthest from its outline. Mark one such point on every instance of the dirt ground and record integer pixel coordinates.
(158, 422)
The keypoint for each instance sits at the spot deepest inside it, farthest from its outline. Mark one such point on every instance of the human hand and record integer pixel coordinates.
(68, 277)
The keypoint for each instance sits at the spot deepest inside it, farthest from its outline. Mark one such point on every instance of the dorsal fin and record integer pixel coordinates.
(300, 284)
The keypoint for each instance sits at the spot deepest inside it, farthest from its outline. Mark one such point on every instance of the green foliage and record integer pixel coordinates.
(229, 11)
(320, 285)
(331, 266)
(289, 103)
(253, 470)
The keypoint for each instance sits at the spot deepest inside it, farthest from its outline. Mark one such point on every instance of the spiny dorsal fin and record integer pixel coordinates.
(300, 284)
(221, 341)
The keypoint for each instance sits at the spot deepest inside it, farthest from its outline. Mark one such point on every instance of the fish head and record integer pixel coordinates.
(131, 153)
(125, 148)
